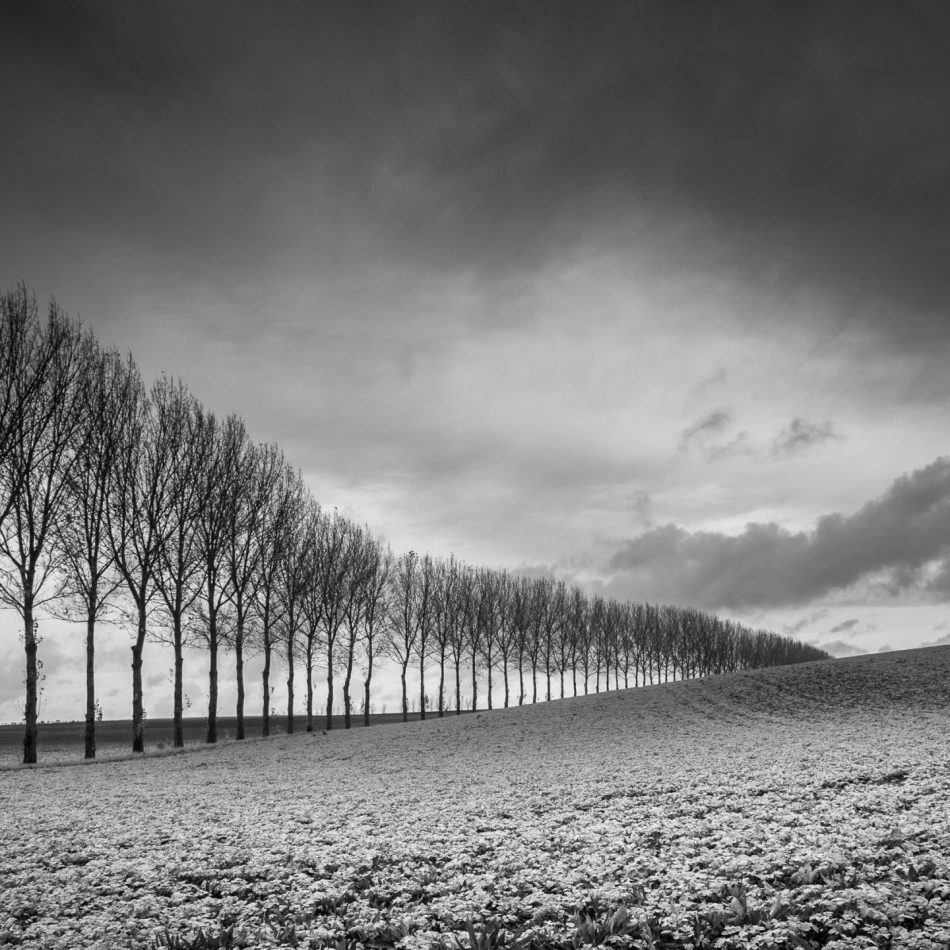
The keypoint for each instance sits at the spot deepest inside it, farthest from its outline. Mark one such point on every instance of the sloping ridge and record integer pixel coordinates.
(904, 683)
(916, 679)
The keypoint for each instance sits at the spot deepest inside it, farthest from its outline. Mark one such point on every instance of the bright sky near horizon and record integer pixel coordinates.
(650, 296)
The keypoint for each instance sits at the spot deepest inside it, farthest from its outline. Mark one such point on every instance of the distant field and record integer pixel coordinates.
(63, 741)
(795, 807)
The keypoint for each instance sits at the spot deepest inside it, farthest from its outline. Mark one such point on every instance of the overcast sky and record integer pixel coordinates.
(653, 296)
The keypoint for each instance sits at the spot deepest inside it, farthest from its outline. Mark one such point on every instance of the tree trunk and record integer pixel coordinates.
(308, 658)
(329, 688)
(366, 682)
(32, 679)
(422, 689)
(347, 701)
(178, 739)
(239, 673)
(458, 689)
(290, 685)
(405, 698)
(488, 692)
(442, 685)
(90, 734)
(212, 736)
(505, 669)
(138, 710)
(265, 685)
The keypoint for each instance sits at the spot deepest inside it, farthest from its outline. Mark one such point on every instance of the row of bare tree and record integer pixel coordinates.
(117, 496)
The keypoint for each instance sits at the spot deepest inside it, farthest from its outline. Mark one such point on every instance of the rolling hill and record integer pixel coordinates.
(800, 806)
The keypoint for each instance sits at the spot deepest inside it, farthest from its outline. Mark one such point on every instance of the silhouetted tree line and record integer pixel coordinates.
(115, 496)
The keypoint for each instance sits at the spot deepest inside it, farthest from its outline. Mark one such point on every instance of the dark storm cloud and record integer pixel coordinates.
(894, 537)
(805, 622)
(801, 434)
(714, 423)
(796, 145)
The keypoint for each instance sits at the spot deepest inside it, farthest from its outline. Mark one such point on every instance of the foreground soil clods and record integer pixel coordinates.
(780, 809)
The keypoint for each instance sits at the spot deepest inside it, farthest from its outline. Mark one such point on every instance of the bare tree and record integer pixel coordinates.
(35, 475)
(578, 610)
(295, 572)
(404, 619)
(257, 473)
(453, 607)
(471, 628)
(361, 555)
(423, 614)
(311, 603)
(487, 624)
(218, 485)
(566, 640)
(536, 613)
(445, 574)
(272, 534)
(179, 561)
(82, 530)
(521, 627)
(598, 620)
(375, 604)
(150, 428)
(552, 621)
(332, 564)
(506, 637)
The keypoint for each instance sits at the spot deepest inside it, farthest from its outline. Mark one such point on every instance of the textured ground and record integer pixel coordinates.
(795, 807)
(63, 742)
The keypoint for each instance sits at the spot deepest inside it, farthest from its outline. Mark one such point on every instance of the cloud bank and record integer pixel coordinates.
(901, 541)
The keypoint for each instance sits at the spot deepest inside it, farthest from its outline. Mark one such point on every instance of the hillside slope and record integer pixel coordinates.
(760, 809)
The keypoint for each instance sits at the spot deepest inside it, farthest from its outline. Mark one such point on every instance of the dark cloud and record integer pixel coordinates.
(894, 536)
(844, 625)
(798, 436)
(885, 649)
(714, 423)
(799, 146)
(801, 434)
(808, 621)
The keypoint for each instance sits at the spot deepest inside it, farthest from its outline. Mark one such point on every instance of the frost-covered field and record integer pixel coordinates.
(796, 807)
